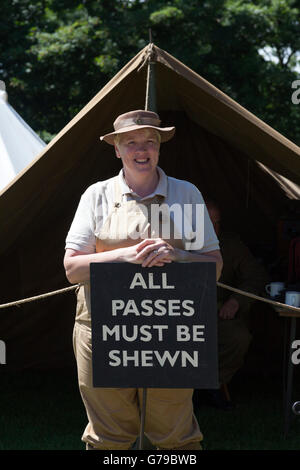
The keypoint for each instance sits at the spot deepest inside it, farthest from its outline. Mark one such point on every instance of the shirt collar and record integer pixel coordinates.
(160, 190)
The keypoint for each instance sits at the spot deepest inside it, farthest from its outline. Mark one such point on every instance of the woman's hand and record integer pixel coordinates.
(157, 252)
(148, 253)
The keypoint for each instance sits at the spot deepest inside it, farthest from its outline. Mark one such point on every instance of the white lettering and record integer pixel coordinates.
(198, 332)
(134, 358)
(160, 329)
(133, 337)
(174, 308)
(189, 312)
(194, 239)
(145, 305)
(146, 358)
(183, 333)
(107, 331)
(117, 305)
(296, 354)
(114, 356)
(165, 282)
(159, 307)
(160, 220)
(151, 282)
(138, 281)
(2, 352)
(295, 98)
(144, 331)
(131, 333)
(166, 356)
(131, 308)
(185, 356)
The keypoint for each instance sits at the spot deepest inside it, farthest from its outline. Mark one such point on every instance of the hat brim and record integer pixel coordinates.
(166, 133)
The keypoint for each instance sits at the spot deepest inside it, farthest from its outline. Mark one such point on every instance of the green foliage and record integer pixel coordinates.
(55, 55)
(166, 16)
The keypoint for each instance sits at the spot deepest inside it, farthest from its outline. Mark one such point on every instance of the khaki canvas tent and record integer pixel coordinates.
(231, 155)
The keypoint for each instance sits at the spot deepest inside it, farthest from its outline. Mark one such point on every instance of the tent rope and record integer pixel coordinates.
(17, 303)
(148, 57)
(257, 297)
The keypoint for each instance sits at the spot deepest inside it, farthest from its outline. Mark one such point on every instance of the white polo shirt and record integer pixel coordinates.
(98, 200)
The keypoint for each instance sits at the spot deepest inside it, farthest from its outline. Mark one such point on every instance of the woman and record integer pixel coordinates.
(112, 225)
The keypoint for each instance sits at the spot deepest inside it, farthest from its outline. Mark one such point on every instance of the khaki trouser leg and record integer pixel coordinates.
(170, 422)
(113, 414)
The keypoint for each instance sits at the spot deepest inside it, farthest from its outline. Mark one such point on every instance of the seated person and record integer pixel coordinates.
(242, 271)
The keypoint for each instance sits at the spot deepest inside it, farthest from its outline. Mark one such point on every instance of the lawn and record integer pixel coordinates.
(42, 410)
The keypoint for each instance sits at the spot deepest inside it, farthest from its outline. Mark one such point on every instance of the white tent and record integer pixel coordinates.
(19, 144)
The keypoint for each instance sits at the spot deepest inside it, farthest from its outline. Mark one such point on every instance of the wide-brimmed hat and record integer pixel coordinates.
(139, 119)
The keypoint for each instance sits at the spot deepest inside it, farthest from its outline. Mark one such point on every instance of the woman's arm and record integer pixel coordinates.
(152, 250)
(77, 263)
(148, 253)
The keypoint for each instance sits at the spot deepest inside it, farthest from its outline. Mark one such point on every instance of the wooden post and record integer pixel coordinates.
(150, 105)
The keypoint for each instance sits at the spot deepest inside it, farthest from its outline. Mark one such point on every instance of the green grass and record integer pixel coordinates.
(257, 421)
(42, 410)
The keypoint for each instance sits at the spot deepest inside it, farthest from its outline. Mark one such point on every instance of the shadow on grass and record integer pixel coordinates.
(42, 410)
(257, 421)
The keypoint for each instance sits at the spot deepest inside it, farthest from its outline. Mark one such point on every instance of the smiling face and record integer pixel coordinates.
(139, 151)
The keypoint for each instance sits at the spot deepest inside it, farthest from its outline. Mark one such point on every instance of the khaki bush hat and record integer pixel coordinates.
(139, 119)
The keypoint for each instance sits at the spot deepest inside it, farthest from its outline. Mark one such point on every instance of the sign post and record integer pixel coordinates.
(154, 327)
(143, 417)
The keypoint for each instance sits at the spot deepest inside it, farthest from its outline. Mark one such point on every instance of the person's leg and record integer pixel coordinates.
(170, 422)
(234, 340)
(113, 414)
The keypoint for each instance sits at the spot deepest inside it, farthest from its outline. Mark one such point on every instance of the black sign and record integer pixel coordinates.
(154, 327)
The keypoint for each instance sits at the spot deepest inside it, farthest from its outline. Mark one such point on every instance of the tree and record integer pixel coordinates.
(57, 54)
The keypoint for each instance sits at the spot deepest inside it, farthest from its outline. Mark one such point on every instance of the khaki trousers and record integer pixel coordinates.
(114, 414)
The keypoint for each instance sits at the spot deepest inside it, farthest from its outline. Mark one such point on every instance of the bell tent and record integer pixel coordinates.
(19, 144)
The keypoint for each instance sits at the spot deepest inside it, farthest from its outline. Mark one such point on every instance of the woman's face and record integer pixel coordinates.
(139, 152)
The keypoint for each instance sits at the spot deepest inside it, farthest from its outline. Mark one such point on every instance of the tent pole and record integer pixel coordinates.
(150, 105)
